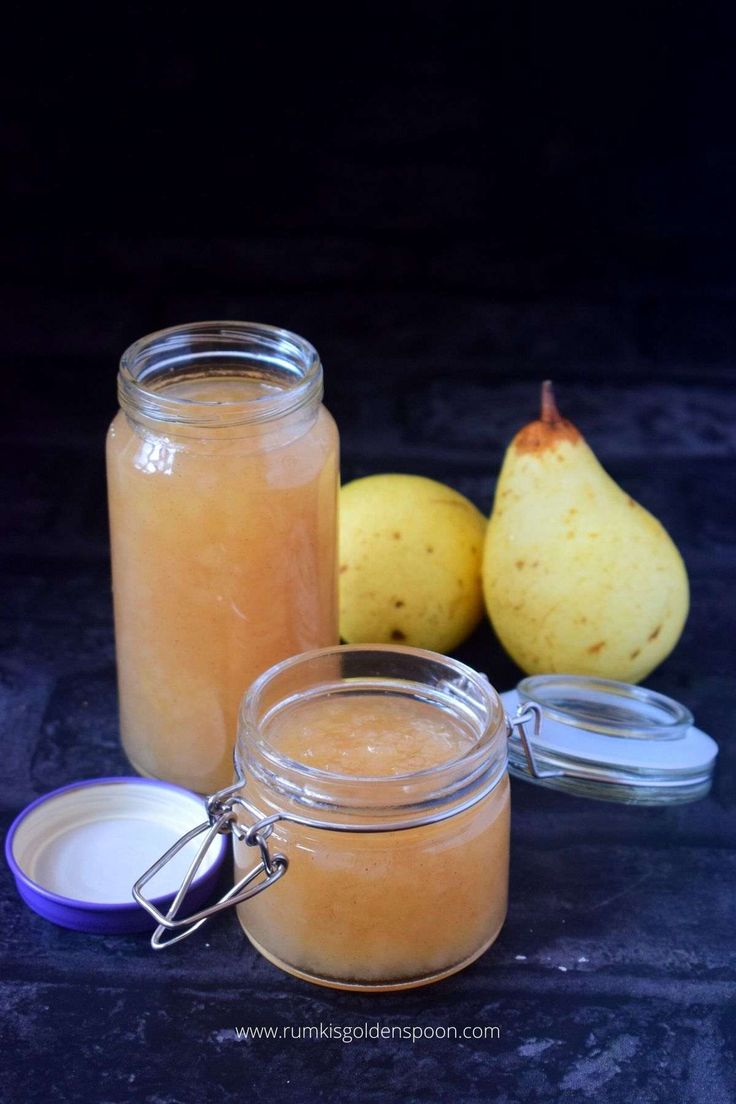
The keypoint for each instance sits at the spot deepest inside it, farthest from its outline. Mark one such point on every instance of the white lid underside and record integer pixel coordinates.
(91, 843)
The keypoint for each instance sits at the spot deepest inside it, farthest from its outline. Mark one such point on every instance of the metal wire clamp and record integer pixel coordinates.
(221, 819)
(524, 714)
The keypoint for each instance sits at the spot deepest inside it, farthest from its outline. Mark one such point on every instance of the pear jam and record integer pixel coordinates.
(382, 909)
(222, 494)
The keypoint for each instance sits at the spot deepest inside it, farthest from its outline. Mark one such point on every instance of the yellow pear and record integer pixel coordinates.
(410, 556)
(577, 577)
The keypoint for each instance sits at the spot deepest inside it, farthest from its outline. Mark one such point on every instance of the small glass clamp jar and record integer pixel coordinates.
(222, 470)
(365, 882)
(394, 879)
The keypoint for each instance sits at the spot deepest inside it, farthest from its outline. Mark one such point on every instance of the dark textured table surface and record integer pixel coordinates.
(614, 978)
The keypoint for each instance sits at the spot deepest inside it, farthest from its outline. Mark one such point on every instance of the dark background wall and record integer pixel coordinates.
(481, 189)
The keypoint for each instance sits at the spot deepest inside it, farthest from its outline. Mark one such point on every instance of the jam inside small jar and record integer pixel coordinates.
(400, 755)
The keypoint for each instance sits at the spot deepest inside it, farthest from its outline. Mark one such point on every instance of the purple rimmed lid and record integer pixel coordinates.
(76, 852)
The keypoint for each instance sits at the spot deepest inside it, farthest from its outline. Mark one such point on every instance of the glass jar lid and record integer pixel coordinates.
(607, 740)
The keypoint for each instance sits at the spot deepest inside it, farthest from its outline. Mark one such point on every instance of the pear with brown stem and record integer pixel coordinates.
(578, 577)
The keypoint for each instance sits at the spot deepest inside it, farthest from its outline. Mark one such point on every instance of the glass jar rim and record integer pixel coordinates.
(457, 771)
(607, 707)
(176, 348)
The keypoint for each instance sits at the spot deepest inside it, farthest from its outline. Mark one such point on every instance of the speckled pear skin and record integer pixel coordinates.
(577, 576)
(410, 558)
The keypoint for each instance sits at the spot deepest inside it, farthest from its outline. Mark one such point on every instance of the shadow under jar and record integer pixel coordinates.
(222, 470)
(400, 756)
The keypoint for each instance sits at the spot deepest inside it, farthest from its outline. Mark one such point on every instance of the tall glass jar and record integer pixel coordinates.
(222, 470)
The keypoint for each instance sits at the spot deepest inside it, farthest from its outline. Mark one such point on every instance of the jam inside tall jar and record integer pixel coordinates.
(222, 470)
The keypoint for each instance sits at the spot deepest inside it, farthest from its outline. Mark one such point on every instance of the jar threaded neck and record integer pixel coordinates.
(284, 369)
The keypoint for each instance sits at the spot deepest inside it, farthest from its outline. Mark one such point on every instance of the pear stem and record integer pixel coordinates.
(549, 413)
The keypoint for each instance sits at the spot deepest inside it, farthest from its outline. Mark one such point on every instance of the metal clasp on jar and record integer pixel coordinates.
(525, 713)
(222, 817)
